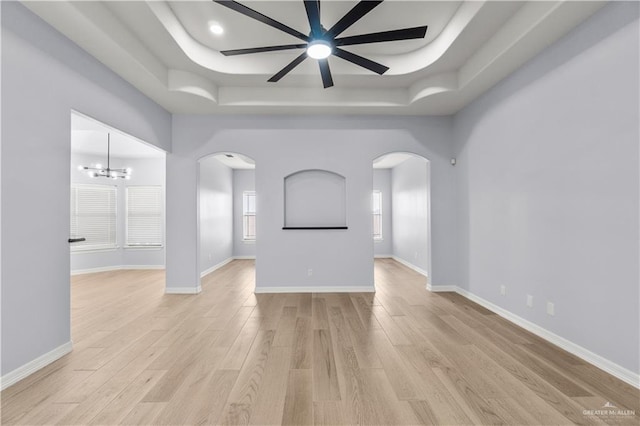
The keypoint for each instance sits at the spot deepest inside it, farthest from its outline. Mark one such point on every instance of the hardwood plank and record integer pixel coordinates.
(269, 404)
(240, 348)
(302, 344)
(362, 340)
(398, 372)
(381, 404)
(240, 402)
(328, 413)
(135, 359)
(213, 397)
(285, 331)
(364, 308)
(474, 406)
(325, 379)
(116, 410)
(298, 408)
(423, 412)
(396, 336)
(320, 316)
(42, 392)
(49, 414)
(143, 413)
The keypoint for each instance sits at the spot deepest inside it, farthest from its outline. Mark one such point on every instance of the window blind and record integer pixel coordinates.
(377, 214)
(144, 216)
(93, 216)
(249, 215)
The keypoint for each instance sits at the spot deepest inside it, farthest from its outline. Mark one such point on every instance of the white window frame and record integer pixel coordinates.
(158, 216)
(246, 214)
(376, 211)
(82, 230)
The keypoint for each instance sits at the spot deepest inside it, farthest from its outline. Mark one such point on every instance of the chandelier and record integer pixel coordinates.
(108, 172)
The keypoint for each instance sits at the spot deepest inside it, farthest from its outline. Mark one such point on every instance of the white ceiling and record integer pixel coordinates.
(236, 161)
(391, 160)
(89, 137)
(166, 50)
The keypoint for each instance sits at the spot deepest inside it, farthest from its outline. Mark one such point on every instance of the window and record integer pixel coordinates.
(249, 215)
(377, 214)
(144, 216)
(93, 216)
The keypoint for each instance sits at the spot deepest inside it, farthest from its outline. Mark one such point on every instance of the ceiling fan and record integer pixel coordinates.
(322, 43)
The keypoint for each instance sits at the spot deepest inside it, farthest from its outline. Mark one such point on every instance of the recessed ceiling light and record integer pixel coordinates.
(319, 49)
(216, 29)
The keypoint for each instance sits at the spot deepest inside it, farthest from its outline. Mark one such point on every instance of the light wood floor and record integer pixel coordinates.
(227, 356)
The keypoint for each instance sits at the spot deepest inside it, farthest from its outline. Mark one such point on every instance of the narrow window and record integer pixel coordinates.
(249, 215)
(144, 216)
(377, 214)
(93, 216)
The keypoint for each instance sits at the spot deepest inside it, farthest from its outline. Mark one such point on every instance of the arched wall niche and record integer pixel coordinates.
(315, 199)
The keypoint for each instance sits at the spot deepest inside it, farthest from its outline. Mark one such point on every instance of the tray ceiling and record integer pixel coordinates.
(168, 52)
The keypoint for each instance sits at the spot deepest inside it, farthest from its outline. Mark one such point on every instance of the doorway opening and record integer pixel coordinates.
(117, 220)
(401, 211)
(227, 211)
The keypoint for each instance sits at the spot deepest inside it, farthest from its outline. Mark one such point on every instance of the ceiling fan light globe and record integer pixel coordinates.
(319, 49)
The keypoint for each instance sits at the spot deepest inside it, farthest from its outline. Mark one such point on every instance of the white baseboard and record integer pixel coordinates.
(183, 290)
(602, 363)
(142, 267)
(215, 267)
(114, 268)
(410, 265)
(317, 289)
(224, 262)
(35, 365)
(442, 288)
(383, 256)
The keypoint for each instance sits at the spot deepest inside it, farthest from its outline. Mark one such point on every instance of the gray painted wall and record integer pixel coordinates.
(410, 206)
(145, 172)
(345, 145)
(216, 213)
(382, 182)
(44, 77)
(243, 180)
(548, 188)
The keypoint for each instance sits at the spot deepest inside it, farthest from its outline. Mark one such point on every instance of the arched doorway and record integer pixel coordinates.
(226, 210)
(401, 210)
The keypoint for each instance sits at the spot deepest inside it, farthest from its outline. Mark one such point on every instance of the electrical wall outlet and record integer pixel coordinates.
(551, 309)
(529, 300)
(309, 272)
(503, 290)
(415, 255)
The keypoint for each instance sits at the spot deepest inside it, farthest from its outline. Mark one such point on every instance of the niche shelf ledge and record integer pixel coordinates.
(314, 227)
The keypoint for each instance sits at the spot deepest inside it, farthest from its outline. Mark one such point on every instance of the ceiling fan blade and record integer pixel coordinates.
(325, 72)
(358, 11)
(262, 49)
(284, 71)
(359, 60)
(395, 35)
(247, 11)
(313, 13)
